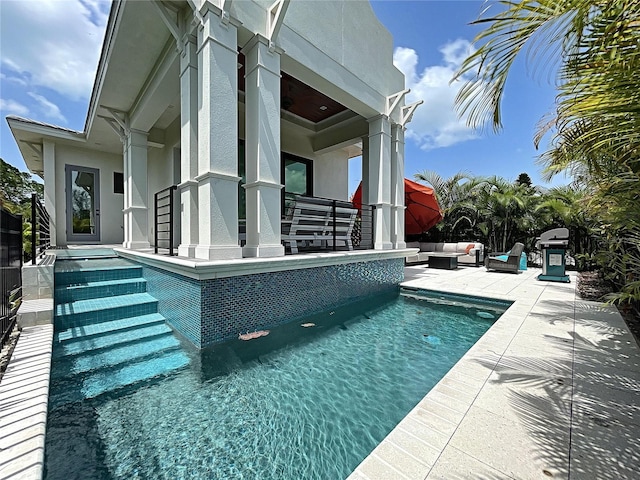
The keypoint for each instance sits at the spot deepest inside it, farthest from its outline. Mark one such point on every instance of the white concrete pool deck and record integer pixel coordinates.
(551, 391)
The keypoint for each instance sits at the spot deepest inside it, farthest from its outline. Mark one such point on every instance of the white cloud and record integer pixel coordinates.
(10, 79)
(11, 107)
(54, 43)
(49, 109)
(435, 123)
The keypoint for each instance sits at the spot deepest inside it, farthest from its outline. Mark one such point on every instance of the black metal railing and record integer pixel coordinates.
(11, 266)
(321, 224)
(362, 235)
(164, 202)
(40, 229)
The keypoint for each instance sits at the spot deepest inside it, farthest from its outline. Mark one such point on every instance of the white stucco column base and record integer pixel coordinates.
(262, 149)
(217, 137)
(379, 175)
(381, 223)
(188, 218)
(218, 217)
(397, 227)
(263, 240)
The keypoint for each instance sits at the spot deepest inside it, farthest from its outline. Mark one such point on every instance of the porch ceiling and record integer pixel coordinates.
(141, 77)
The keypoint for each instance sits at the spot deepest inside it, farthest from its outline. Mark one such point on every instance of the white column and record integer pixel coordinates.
(49, 167)
(365, 170)
(125, 185)
(262, 149)
(397, 186)
(217, 138)
(136, 213)
(379, 176)
(188, 147)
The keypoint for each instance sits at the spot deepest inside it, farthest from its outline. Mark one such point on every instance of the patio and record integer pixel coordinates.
(552, 390)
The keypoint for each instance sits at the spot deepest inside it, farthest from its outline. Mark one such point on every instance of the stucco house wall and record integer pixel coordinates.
(111, 221)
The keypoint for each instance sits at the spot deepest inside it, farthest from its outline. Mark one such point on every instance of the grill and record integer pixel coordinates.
(553, 244)
(557, 237)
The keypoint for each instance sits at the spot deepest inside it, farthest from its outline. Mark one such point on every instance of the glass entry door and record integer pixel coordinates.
(83, 204)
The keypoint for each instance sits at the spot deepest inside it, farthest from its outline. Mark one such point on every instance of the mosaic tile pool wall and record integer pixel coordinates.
(210, 311)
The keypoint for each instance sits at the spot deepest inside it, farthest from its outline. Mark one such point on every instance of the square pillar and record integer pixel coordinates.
(365, 170)
(136, 213)
(379, 175)
(217, 138)
(397, 187)
(262, 149)
(49, 174)
(188, 186)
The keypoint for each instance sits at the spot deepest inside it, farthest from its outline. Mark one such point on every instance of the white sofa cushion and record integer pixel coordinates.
(450, 248)
(427, 247)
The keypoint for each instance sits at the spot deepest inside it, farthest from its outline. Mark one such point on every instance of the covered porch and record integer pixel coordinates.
(240, 108)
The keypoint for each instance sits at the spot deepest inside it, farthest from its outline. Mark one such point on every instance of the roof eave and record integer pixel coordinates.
(107, 47)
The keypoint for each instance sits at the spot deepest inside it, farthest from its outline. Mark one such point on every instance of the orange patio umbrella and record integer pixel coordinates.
(422, 210)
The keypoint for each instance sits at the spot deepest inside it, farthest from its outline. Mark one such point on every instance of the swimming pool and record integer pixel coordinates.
(300, 403)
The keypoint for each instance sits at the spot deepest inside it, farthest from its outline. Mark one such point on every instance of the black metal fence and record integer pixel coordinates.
(40, 229)
(164, 210)
(11, 266)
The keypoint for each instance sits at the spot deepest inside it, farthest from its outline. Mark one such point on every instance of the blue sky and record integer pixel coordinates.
(50, 50)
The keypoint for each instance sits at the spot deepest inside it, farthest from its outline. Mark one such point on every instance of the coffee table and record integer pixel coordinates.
(446, 261)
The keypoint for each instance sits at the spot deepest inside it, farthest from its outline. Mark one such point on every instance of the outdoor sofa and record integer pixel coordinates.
(468, 252)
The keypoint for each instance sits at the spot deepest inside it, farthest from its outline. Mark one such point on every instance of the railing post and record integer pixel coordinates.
(155, 221)
(34, 228)
(164, 199)
(335, 233)
(171, 195)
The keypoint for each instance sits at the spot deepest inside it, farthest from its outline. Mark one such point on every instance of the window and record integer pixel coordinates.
(118, 182)
(297, 177)
(296, 173)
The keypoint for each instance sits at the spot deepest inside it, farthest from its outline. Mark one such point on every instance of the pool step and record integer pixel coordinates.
(95, 310)
(96, 342)
(121, 355)
(106, 288)
(84, 273)
(108, 332)
(79, 387)
(130, 374)
(107, 328)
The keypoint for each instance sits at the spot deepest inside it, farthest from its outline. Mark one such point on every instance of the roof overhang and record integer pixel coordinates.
(30, 136)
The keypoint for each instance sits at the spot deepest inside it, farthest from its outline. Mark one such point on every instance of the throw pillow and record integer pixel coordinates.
(470, 247)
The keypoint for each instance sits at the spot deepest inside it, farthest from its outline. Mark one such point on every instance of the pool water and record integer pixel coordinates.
(300, 403)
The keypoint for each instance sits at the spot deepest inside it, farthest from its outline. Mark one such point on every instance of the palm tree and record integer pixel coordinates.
(506, 209)
(567, 207)
(596, 124)
(456, 199)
